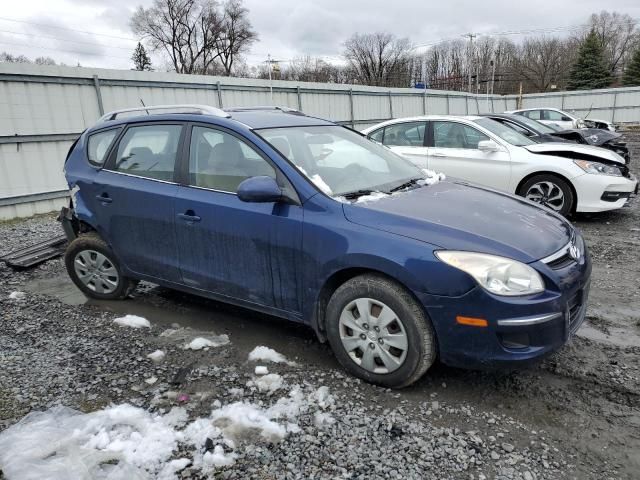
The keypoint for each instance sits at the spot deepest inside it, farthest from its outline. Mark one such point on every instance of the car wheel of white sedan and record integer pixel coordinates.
(551, 191)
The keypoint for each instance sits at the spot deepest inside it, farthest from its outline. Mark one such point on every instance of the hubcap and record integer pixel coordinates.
(373, 335)
(548, 194)
(96, 271)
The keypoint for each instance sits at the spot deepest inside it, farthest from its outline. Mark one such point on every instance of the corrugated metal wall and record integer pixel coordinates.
(43, 108)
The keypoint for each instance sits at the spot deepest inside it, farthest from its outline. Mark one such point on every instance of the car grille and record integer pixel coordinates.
(561, 262)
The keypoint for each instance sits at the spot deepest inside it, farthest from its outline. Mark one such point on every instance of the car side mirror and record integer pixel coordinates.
(488, 146)
(261, 189)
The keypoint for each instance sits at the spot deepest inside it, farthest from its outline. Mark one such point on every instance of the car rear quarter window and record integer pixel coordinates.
(99, 144)
(149, 151)
(377, 135)
(221, 161)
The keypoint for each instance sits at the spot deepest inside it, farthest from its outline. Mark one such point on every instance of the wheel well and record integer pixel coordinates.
(553, 174)
(332, 284)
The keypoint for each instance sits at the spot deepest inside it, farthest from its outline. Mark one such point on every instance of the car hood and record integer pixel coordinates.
(576, 151)
(594, 136)
(459, 216)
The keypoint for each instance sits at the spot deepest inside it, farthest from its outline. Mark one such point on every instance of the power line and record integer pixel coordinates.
(64, 40)
(68, 29)
(63, 50)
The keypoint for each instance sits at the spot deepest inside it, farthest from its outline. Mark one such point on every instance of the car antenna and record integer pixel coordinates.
(589, 112)
(142, 102)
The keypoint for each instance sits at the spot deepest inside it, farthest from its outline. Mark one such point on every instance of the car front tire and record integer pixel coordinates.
(95, 270)
(551, 191)
(379, 332)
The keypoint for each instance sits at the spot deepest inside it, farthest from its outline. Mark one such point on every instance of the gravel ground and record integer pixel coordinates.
(576, 415)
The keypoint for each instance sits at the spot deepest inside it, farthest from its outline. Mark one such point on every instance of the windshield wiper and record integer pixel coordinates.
(406, 184)
(356, 193)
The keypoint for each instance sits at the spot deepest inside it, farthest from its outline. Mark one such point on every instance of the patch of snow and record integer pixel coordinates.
(320, 183)
(261, 370)
(268, 355)
(169, 471)
(150, 380)
(156, 356)
(372, 197)
(17, 295)
(431, 177)
(321, 419)
(236, 392)
(201, 342)
(124, 441)
(267, 383)
(81, 445)
(132, 321)
(218, 458)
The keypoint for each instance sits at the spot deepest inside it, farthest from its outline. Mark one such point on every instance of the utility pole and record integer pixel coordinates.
(470, 56)
(269, 66)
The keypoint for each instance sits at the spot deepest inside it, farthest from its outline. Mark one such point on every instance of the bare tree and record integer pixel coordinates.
(618, 34)
(187, 30)
(542, 62)
(310, 69)
(9, 58)
(238, 34)
(379, 59)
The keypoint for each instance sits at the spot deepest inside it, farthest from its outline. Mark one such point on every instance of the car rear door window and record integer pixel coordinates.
(456, 135)
(534, 114)
(149, 151)
(221, 161)
(98, 146)
(555, 116)
(409, 134)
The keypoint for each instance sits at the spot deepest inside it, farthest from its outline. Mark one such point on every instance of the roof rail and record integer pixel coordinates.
(265, 108)
(160, 109)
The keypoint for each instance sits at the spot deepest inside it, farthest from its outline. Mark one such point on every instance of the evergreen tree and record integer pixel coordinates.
(590, 70)
(140, 58)
(632, 72)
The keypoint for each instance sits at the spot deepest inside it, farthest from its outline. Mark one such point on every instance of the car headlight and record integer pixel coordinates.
(598, 168)
(499, 275)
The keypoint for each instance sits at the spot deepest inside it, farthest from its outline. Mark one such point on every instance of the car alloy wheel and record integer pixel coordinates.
(96, 271)
(548, 194)
(373, 336)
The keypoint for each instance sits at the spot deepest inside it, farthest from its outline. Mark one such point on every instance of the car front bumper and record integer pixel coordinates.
(519, 330)
(600, 193)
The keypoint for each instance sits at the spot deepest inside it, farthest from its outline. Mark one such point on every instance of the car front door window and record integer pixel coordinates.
(221, 161)
(456, 135)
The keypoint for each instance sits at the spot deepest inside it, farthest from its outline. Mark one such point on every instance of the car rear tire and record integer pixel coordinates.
(95, 270)
(379, 332)
(551, 191)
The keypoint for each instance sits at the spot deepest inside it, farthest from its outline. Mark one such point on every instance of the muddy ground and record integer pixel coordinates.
(576, 415)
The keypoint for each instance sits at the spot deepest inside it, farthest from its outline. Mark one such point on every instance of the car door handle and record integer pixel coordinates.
(189, 217)
(439, 154)
(104, 198)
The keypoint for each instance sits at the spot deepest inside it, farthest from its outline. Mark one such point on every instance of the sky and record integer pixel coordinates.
(96, 33)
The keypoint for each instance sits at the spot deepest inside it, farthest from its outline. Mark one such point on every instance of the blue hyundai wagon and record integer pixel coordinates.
(298, 217)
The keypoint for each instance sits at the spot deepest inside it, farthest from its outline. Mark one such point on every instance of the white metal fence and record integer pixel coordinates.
(43, 109)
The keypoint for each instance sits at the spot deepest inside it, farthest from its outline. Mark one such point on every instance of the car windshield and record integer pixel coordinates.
(505, 133)
(537, 126)
(340, 161)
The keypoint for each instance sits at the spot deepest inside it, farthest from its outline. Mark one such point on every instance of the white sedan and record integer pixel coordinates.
(562, 119)
(565, 177)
